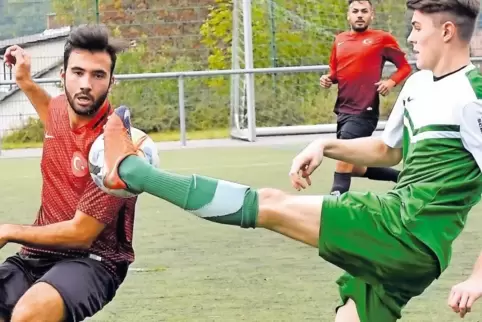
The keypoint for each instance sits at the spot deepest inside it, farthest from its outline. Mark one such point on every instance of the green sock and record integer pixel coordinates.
(211, 199)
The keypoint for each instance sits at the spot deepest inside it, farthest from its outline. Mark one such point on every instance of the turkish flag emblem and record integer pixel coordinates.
(80, 167)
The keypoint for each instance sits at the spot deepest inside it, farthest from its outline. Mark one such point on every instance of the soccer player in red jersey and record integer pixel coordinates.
(356, 65)
(77, 252)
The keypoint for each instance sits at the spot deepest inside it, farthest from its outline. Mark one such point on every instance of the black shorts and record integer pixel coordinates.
(352, 126)
(84, 284)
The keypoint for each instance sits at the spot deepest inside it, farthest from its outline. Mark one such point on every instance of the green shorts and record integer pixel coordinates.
(363, 234)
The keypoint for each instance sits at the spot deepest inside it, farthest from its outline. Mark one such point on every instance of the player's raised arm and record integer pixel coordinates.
(463, 295)
(18, 58)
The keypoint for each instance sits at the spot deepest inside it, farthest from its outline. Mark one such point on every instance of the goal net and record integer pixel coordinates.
(290, 33)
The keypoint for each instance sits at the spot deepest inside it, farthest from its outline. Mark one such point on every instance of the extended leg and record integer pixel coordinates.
(360, 233)
(225, 202)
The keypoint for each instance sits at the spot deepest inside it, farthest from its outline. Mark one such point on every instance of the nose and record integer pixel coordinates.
(410, 38)
(85, 83)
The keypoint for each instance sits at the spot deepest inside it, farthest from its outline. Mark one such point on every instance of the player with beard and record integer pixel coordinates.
(356, 65)
(77, 252)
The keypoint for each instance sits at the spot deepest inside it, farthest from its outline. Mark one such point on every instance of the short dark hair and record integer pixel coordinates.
(351, 1)
(463, 12)
(94, 38)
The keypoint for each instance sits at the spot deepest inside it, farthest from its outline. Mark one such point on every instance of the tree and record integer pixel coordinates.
(301, 30)
(22, 18)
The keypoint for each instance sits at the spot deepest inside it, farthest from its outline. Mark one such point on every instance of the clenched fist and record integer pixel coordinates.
(325, 81)
(20, 60)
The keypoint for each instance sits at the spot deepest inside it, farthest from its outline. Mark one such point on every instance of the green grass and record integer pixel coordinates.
(188, 269)
(157, 137)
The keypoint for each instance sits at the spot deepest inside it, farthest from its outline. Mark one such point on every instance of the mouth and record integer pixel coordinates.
(83, 100)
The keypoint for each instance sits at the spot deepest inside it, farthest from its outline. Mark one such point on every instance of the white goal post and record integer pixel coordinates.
(243, 101)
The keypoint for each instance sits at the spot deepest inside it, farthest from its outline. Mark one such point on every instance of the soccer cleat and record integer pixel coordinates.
(118, 145)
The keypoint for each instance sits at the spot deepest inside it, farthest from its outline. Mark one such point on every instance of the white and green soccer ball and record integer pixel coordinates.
(96, 160)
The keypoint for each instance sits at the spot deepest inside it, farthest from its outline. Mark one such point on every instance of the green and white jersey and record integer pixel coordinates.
(438, 124)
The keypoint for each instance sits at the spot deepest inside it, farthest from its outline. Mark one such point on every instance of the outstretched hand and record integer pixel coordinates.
(463, 295)
(304, 164)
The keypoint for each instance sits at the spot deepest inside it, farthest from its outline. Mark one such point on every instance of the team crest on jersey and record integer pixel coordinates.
(80, 167)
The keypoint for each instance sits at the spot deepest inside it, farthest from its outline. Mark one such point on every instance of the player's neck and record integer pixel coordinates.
(359, 32)
(452, 61)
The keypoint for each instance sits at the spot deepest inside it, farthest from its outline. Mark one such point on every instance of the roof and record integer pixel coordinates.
(46, 35)
(25, 41)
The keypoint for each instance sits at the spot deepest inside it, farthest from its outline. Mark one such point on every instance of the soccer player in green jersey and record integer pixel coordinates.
(391, 245)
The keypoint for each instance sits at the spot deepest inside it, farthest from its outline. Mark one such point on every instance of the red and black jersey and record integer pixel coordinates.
(67, 187)
(356, 64)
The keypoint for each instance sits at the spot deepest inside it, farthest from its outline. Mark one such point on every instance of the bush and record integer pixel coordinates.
(33, 131)
(152, 113)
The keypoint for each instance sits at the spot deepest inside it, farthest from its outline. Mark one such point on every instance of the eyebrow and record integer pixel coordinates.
(94, 71)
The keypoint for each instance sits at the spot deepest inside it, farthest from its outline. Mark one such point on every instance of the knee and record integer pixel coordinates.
(30, 311)
(358, 171)
(41, 303)
(343, 167)
(270, 200)
(24, 311)
(269, 197)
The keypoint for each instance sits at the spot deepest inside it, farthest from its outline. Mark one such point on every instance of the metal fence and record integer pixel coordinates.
(178, 74)
(184, 104)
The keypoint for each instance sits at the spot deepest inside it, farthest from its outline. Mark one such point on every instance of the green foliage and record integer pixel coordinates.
(302, 35)
(33, 131)
(154, 102)
(21, 18)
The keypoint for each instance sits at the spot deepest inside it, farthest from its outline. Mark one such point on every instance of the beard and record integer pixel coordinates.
(356, 28)
(88, 110)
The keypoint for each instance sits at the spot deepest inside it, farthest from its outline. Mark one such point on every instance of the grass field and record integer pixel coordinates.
(188, 269)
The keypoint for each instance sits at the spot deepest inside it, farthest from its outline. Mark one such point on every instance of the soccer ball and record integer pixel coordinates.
(96, 161)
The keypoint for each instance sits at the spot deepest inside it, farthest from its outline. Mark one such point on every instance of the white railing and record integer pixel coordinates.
(181, 76)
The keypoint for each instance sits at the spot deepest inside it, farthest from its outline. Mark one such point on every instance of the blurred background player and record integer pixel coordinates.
(356, 65)
(77, 252)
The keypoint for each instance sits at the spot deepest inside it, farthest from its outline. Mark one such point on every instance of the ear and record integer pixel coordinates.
(62, 77)
(448, 31)
(112, 81)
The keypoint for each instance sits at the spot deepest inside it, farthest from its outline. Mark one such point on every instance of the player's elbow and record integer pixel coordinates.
(82, 238)
(83, 242)
(404, 70)
(390, 156)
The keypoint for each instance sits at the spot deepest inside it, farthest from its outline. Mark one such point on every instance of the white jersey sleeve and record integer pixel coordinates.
(471, 129)
(393, 133)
